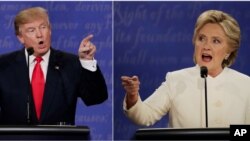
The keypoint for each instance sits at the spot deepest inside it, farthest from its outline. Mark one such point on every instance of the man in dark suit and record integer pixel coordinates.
(63, 77)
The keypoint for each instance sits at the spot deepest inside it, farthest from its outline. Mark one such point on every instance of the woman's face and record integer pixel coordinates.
(211, 48)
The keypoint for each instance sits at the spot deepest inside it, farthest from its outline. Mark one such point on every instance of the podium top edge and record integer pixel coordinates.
(38, 126)
(179, 129)
(44, 128)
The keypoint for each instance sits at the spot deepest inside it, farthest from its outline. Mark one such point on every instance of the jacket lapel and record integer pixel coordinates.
(23, 82)
(51, 85)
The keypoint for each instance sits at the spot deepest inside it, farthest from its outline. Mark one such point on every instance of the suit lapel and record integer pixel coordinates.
(22, 68)
(51, 86)
(23, 82)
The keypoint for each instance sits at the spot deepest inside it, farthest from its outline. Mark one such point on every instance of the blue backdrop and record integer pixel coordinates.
(71, 22)
(152, 38)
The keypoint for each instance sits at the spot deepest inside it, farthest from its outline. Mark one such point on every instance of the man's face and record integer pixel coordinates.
(36, 34)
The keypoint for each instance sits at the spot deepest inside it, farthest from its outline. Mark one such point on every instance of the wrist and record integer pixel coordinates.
(131, 100)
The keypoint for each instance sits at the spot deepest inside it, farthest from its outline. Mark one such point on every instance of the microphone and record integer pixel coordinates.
(203, 72)
(30, 51)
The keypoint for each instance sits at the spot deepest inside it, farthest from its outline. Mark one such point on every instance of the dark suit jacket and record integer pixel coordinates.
(66, 81)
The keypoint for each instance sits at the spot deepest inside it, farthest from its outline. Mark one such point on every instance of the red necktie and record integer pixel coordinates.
(38, 86)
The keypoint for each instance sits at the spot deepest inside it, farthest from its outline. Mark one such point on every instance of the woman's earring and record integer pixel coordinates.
(226, 57)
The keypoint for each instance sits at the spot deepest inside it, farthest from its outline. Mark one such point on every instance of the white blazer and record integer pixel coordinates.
(182, 95)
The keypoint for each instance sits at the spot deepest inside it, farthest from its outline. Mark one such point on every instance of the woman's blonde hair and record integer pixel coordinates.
(230, 27)
(29, 15)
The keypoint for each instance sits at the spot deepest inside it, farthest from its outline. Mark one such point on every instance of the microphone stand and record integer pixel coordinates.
(206, 100)
(203, 72)
(30, 51)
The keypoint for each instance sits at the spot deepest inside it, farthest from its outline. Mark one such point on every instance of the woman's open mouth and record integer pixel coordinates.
(206, 57)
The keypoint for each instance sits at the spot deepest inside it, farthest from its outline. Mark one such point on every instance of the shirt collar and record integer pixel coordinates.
(32, 57)
(220, 75)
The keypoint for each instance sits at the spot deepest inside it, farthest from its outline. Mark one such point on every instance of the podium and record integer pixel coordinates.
(44, 132)
(183, 134)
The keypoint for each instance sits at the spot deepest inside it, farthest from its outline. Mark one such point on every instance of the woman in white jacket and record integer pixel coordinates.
(216, 39)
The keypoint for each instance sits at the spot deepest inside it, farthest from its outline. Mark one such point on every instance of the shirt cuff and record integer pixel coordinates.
(90, 65)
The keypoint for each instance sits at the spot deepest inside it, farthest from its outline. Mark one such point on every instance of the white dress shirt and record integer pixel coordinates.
(182, 96)
(90, 65)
